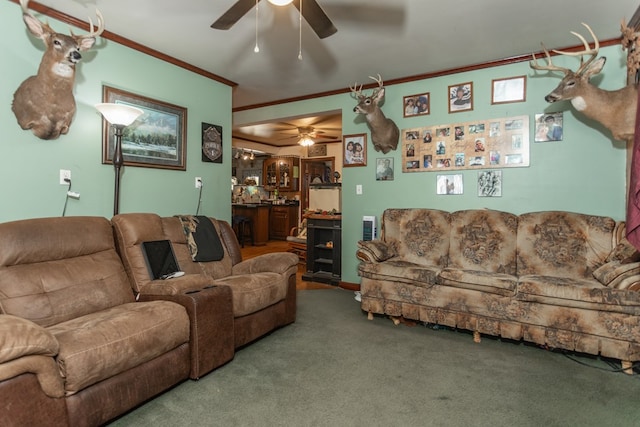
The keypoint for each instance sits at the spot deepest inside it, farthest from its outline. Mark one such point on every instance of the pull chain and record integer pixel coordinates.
(256, 49)
(300, 36)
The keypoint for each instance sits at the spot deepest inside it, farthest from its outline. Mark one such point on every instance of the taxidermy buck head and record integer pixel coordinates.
(44, 103)
(384, 132)
(616, 110)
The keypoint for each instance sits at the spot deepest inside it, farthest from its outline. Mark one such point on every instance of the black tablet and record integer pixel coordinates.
(160, 258)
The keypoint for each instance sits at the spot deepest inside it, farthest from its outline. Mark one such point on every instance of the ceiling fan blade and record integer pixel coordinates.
(317, 19)
(233, 15)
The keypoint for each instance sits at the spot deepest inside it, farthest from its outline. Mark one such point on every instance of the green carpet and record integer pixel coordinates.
(333, 367)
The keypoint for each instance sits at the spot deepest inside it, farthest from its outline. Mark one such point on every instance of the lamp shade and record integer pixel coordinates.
(119, 114)
(280, 2)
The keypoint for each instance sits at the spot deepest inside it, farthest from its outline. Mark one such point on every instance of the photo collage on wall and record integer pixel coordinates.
(492, 143)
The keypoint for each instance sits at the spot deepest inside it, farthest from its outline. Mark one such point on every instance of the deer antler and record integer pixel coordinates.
(549, 67)
(583, 65)
(356, 93)
(92, 32)
(379, 81)
(587, 50)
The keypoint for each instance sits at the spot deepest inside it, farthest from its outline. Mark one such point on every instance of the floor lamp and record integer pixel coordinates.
(119, 116)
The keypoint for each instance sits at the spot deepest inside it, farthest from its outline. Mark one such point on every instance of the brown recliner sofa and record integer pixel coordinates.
(75, 347)
(262, 289)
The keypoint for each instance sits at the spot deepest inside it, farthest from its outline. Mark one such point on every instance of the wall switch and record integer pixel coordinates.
(359, 189)
(64, 174)
(198, 182)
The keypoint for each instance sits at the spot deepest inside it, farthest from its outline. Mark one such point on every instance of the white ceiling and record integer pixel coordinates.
(395, 38)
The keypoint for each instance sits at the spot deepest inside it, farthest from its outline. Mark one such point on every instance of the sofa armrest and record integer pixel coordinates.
(372, 251)
(618, 275)
(26, 347)
(44, 368)
(21, 337)
(276, 262)
(176, 285)
(210, 310)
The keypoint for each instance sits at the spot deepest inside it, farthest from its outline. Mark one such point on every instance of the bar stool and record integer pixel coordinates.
(243, 226)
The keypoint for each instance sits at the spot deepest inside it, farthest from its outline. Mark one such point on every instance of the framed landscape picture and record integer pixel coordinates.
(157, 139)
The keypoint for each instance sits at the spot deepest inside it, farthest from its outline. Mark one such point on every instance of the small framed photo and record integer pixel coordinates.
(449, 184)
(548, 127)
(513, 89)
(354, 149)
(461, 97)
(384, 169)
(490, 183)
(416, 105)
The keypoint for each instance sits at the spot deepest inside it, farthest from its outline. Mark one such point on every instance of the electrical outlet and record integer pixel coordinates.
(64, 174)
(198, 182)
(359, 189)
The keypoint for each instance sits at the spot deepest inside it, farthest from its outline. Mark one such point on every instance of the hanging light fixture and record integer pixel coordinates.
(281, 2)
(306, 141)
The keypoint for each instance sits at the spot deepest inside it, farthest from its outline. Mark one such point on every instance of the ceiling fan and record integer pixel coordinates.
(310, 9)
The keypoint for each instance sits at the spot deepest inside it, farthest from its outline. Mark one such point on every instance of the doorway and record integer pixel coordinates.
(316, 170)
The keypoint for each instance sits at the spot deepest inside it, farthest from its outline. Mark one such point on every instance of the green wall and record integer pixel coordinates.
(583, 173)
(29, 167)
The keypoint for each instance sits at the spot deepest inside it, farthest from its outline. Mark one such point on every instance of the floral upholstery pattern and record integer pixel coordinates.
(553, 278)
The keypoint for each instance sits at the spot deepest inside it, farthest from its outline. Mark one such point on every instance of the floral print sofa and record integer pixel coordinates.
(552, 278)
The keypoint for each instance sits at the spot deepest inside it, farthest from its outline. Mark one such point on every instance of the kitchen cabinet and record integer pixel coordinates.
(282, 219)
(259, 215)
(281, 173)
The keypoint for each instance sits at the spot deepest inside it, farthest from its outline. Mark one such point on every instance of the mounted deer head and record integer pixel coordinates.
(616, 110)
(44, 103)
(384, 132)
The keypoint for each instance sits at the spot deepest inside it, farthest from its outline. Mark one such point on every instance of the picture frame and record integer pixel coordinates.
(384, 169)
(508, 90)
(354, 150)
(548, 127)
(460, 97)
(211, 143)
(317, 150)
(490, 183)
(449, 184)
(416, 105)
(145, 143)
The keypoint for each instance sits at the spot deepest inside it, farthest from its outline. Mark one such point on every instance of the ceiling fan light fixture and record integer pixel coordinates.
(280, 2)
(305, 141)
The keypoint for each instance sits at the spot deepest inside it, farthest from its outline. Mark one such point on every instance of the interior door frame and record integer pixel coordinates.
(305, 177)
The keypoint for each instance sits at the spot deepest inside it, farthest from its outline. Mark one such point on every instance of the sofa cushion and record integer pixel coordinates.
(253, 292)
(418, 236)
(578, 293)
(21, 337)
(102, 344)
(495, 283)
(563, 244)
(483, 240)
(49, 275)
